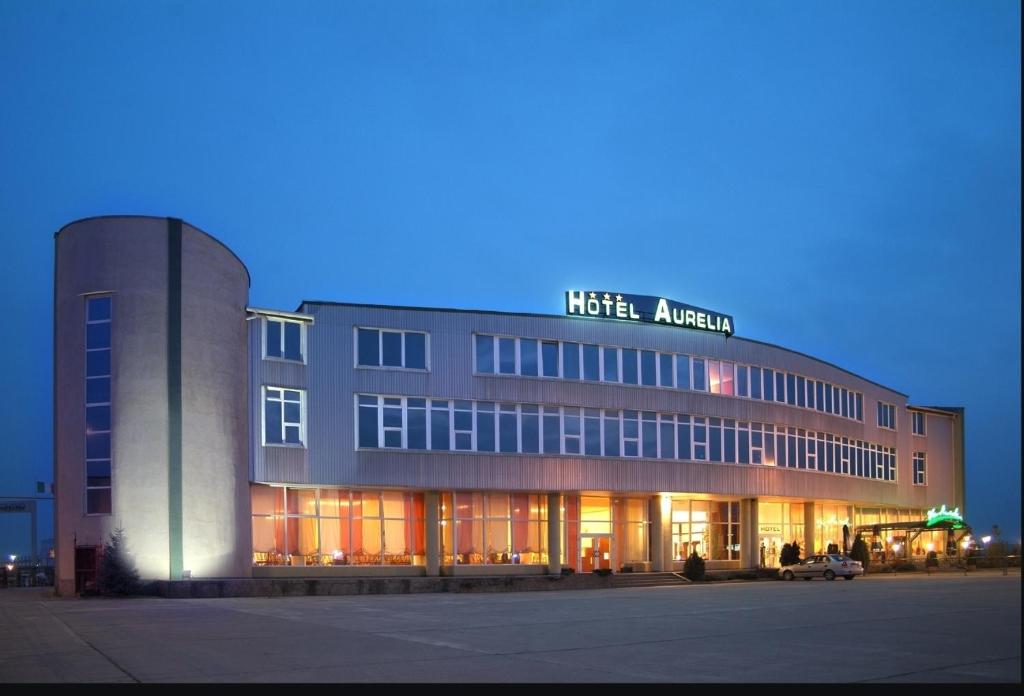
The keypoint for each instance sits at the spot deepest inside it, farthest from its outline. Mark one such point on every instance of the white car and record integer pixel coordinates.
(828, 566)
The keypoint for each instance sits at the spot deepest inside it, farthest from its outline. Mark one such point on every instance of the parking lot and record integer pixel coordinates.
(913, 628)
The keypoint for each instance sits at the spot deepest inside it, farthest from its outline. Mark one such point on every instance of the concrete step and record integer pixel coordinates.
(646, 579)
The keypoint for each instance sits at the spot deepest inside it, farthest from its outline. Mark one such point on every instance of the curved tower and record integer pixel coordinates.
(150, 394)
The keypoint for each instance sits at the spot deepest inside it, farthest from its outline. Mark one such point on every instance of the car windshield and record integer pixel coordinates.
(837, 558)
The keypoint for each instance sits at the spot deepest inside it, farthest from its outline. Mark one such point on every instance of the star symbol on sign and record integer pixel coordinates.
(619, 298)
(607, 296)
(593, 295)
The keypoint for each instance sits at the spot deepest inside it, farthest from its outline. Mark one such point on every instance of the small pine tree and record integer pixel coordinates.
(860, 552)
(116, 574)
(790, 554)
(694, 568)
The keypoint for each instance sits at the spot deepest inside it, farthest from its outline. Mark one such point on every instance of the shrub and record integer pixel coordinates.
(904, 567)
(860, 552)
(931, 560)
(790, 554)
(116, 574)
(693, 568)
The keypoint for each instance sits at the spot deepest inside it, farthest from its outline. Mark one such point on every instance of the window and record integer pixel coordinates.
(484, 354)
(285, 339)
(507, 356)
(683, 371)
(549, 358)
(391, 348)
(919, 469)
(571, 431)
(591, 363)
(552, 430)
(528, 357)
(647, 368)
(630, 434)
(516, 428)
(283, 416)
(571, 360)
(665, 370)
(917, 419)
(629, 369)
(755, 382)
(463, 425)
(700, 438)
(611, 433)
(699, 382)
(98, 479)
(886, 415)
(611, 364)
(531, 429)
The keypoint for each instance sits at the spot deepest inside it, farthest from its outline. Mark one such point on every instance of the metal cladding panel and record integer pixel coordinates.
(278, 464)
(334, 380)
(475, 471)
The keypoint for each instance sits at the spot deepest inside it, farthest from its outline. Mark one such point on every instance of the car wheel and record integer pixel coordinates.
(830, 575)
(788, 575)
(848, 577)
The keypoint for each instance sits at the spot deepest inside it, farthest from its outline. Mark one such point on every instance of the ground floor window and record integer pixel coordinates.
(493, 528)
(330, 526)
(711, 528)
(829, 521)
(778, 524)
(894, 544)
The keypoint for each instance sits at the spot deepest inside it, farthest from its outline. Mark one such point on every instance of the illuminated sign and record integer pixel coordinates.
(645, 308)
(769, 529)
(944, 515)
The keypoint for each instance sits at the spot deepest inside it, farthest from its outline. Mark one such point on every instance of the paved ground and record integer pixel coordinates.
(912, 628)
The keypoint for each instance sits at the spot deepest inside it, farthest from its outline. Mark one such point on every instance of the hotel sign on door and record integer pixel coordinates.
(645, 308)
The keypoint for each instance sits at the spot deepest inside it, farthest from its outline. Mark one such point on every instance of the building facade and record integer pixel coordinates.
(375, 440)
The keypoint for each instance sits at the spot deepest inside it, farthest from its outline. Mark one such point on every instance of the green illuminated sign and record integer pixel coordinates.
(944, 515)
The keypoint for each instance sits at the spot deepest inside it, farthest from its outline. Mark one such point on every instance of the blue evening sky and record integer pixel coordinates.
(841, 177)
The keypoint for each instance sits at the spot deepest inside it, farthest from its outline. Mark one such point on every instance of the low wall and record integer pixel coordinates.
(310, 586)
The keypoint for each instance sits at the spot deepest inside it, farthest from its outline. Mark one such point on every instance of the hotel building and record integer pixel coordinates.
(350, 439)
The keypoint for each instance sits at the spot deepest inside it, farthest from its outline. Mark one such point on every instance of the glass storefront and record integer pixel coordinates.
(493, 528)
(329, 526)
(711, 528)
(906, 544)
(828, 526)
(778, 524)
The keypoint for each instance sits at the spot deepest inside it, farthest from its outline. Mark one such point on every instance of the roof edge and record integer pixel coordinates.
(160, 217)
(565, 316)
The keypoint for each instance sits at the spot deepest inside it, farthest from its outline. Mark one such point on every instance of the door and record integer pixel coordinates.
(596, 551)
(85, 568)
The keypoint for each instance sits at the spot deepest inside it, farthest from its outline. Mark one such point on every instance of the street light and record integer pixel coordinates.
(986, 539)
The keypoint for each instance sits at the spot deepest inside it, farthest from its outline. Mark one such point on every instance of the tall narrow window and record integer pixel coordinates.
(917, 419)
(528, 357)
(98, 479)
(919, 468)
(665, 378)
(484, 353)
(549, 356)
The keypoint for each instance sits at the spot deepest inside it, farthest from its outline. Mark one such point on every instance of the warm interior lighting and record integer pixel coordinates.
(930, 546)
(889, 539)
